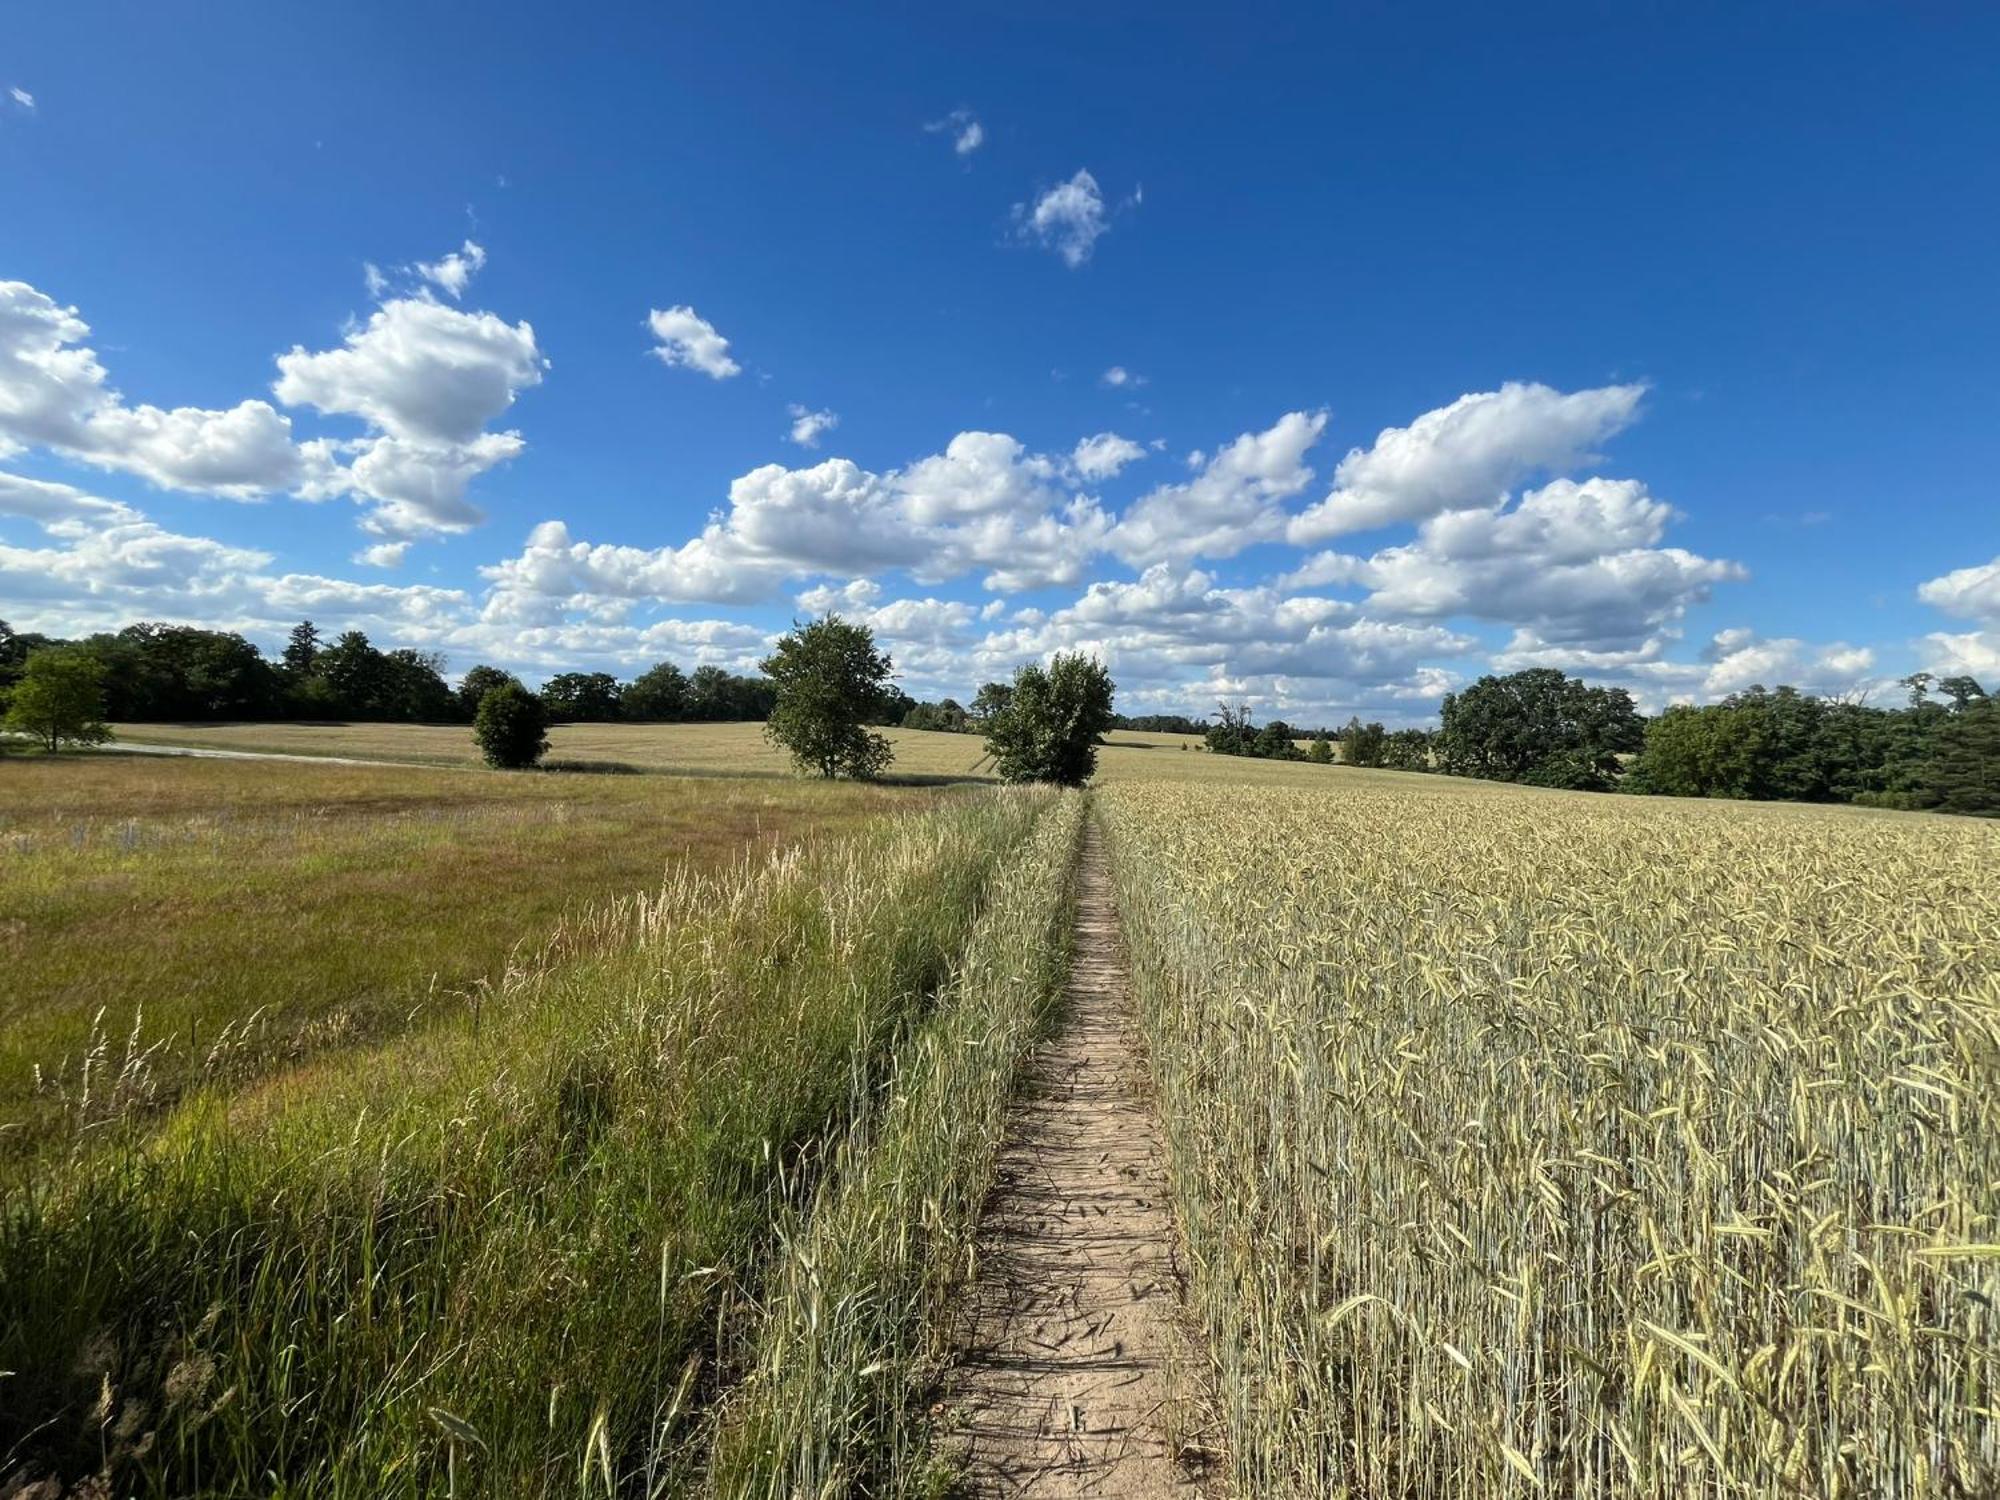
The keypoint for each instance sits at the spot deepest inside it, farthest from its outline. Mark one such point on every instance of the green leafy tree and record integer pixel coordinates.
(581, 697)
(659, 695)
(1407, 750)
(1053, 721)
(16, 646)
(1274, 742)
(991, 700)
(1363, 744)
(1539, 726)
(476, 684)
(59, 699)
(1231, 733)
(830, 681)
(1321, 752)
(511, 727)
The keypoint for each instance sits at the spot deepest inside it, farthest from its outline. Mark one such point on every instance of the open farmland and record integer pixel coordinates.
(512, 1254)
(163, 919)
(1556, 1145)
(922, 755)
(1516, 1142)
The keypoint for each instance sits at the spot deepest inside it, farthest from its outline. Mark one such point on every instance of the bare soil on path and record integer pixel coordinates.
(1072, 1358)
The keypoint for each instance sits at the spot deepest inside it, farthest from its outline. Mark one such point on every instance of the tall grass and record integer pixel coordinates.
(255, 914)
(1558, 1146)
(496, 1257)
(855, 1314)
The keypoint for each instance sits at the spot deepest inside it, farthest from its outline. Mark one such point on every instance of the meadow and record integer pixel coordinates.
(922, 755)
(514, 1251)
(166, 919)
(496, 1134)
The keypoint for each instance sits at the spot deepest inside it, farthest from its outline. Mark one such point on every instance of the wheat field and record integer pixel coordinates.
(1532, 1145)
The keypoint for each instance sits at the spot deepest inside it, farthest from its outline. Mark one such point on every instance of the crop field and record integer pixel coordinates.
(497, 1135)
(1578, 1146)
(742, 750)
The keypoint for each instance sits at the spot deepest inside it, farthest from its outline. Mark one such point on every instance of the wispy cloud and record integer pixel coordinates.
(967, 134)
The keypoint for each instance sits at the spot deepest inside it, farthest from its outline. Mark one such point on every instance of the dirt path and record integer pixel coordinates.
(1062, 1386)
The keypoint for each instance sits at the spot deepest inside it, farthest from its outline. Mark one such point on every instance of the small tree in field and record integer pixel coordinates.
(59, 699)
(831, 682)
(511, 727)
(1053, 719)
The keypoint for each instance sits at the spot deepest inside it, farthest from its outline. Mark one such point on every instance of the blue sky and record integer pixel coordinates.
(1652, 343)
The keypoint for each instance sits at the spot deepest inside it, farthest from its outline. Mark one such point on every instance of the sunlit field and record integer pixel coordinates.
(1560, 1145)
(519, 1250)
(498, 1134)
(164, 919)
(739, 750)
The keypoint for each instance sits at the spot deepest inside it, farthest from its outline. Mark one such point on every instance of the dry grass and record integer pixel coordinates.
(273, 909)
(742, 750)
(1540, 1145)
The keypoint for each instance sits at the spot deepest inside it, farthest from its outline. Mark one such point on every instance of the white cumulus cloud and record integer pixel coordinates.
(1231, 503)
(1466, 454)
(54, 393)
(809, 426)
(454, 272)
(1102, 456)
(689, 340)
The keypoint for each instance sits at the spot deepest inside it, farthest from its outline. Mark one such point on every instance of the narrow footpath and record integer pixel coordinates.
(1072, 1358)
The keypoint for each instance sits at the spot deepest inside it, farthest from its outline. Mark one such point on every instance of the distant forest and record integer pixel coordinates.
(1940, 749)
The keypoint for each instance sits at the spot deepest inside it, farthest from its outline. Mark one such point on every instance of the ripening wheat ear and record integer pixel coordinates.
(1540, 1145)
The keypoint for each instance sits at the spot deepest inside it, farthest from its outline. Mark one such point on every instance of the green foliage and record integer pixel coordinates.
(581, 698)
(947, 716)
(476, 684)
(1407, 750)
(1234, 734)
(657, 695)
(830, 681)
(1053, 720)
(1784, 745)
(351, 679)
(1963, 774)
(716, 696)
(15, 648)
(1231, 733)
(511, 726)
(302, 649)
(155, 672)
(1275, 742)
(991, 700)
(59, 699)
(1363, 744)
(856, 1314)
(1321, 752)
(1538, 726)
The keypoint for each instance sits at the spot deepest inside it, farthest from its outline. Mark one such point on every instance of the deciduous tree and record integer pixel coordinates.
(830, 680)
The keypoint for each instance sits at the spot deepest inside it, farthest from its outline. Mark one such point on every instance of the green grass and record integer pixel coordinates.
(501, 1258)
(855, 1314)
(257, 912)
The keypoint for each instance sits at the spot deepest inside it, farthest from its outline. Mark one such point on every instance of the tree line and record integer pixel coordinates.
(1939, 751)
(826, 687)
(155, 673)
